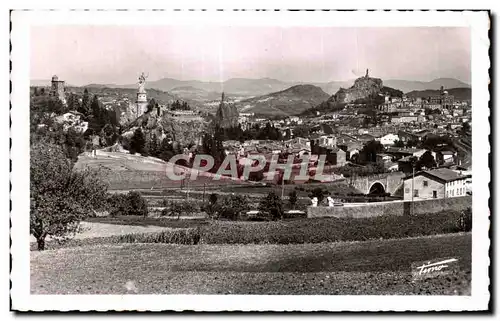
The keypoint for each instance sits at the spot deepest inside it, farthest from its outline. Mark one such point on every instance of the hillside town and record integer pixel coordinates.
(371, 130)
(289, 174)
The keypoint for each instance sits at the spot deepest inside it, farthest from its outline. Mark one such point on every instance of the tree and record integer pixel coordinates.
(370, 151)
(59, 197)
(292, 198)
(95, 108)
(231, 207)
(272, 205)
(166, 150)
(177, 208)
(318, 193)
(426, 160)
(152, 145)
(73, 103)
(138, 143)
(465, 130)
(399, 143)
(151, 105)
(137, 204)
(85, 105)
(210, 208)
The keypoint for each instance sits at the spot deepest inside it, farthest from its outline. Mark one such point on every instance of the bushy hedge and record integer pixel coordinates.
(330, 229)
(295, 231)
(464, 221)
(132, 203)
(179, 236)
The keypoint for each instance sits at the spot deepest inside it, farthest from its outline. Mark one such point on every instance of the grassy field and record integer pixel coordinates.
(372, 267)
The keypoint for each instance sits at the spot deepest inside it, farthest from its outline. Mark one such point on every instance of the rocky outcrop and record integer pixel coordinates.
(362, 88)
(226, 115)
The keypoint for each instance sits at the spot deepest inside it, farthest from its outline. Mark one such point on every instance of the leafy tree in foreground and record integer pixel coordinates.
(60, 197)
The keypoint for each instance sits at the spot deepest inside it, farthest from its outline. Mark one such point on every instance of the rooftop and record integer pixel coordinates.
(442, 174)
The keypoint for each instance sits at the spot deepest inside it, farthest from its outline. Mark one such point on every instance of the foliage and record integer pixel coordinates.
(167, 149)
(426, 160)
(319, 193)
(370, 151)
(177, 105)
(464, 221)
(435, 143)
(132, 203)
(211, 207)
(292, 198)
(230, 207)
(212, 145)
(272, 206)
(399, 143)
(320, 230)
(466, 129)
(85, 105)
(46, 104)
(178, 208)
(138, 143)
(60, 197)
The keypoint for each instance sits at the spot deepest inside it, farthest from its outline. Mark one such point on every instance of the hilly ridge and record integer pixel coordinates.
(458, 93)
(291, 101)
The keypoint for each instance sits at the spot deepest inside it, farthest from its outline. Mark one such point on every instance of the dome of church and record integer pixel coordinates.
(55, 78)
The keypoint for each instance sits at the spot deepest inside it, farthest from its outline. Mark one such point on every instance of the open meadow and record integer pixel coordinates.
(370, 267)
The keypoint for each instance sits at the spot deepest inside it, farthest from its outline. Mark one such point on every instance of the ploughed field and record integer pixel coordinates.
(369, 267)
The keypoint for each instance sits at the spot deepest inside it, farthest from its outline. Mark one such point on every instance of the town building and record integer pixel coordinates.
(57, 89)
(185, 115)
(437, 183)
(141, 100)
(443, 99)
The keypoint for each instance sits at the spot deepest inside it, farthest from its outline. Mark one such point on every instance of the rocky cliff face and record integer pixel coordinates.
(362, 88)
(227, 115)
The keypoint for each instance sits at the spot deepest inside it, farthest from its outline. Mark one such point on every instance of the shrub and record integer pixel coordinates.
(329, 229)
(132, 203)
(190, 236)
(319, 193)
(464, 221)
(231, 207)
(272, 206)
(211, 207)
(292, 198)
(178, 208)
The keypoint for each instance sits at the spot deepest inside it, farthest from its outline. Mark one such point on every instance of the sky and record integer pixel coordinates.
(118, 54)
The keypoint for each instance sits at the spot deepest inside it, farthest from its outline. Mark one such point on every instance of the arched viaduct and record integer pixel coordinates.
(378, 184)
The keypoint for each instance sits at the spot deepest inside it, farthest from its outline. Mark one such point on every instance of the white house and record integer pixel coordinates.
(388, 139)
(437, 183)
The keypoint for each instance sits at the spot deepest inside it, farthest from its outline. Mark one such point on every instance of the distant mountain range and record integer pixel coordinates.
(291, 101)
(257, 87)
(407, 85)
(458, 93)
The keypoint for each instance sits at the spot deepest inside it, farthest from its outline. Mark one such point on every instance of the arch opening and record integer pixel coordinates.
(376, 189)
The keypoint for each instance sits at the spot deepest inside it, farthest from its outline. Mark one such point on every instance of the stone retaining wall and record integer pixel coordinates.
(392, 208)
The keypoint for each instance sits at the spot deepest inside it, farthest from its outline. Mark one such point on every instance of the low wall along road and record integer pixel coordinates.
(391, 208)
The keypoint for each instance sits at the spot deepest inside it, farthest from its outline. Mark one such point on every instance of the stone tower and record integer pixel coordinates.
(141, 100)
(57, 89)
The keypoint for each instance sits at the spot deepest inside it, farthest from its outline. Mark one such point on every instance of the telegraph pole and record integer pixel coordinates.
(282, 186)
(413, 190)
